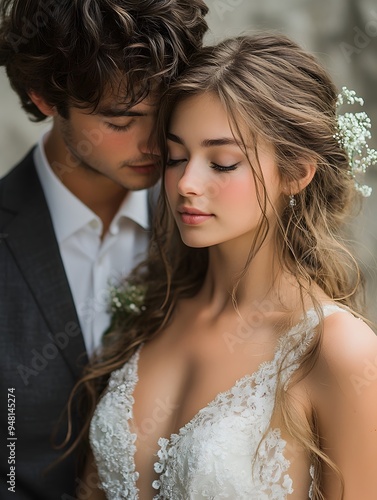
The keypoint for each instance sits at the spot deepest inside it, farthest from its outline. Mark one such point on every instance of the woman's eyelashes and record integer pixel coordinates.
(173, 163)
(215, 166)
(224, 168)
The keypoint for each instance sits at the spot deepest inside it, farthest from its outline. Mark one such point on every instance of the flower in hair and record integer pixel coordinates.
(125, 302)
(352, 134)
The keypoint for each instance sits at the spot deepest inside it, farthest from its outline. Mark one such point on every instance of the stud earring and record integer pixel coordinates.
(292, 200)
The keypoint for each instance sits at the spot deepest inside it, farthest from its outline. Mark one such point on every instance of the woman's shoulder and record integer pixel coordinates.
(347, 339)
(348, 354)
(343, 396)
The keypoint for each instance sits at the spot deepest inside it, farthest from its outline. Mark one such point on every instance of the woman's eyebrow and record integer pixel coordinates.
(206, 143)
(223, 141)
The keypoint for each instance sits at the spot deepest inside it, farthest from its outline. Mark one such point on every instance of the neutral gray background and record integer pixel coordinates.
(342, 33)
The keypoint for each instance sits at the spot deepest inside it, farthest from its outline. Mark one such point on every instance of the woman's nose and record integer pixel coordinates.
(191, 182)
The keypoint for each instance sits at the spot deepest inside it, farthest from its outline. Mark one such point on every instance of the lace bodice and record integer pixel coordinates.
(211, 457)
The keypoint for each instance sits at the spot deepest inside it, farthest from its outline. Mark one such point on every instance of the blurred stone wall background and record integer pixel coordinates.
(343, 35)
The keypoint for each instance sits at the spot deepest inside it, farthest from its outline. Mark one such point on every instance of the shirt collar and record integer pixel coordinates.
(133, 207)
(69, 214)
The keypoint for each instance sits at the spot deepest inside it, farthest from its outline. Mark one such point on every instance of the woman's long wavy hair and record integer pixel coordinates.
(285, 97)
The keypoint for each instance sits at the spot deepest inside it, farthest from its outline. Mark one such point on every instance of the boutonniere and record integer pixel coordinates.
(125, 302)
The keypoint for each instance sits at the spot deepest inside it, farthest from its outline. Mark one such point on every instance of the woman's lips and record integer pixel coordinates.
(192, 216)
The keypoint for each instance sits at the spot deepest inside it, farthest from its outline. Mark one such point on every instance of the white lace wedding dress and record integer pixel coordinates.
(211, 457)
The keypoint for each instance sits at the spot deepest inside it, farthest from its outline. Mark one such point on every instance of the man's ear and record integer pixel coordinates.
(308, 171)
(42, 104)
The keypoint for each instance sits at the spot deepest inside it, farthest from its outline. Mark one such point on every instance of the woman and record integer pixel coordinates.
(246, 375)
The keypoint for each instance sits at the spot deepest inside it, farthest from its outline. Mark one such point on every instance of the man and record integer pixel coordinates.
(74, 211)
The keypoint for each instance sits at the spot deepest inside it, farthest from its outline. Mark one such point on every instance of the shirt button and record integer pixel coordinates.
(114, 230)
(94, 224)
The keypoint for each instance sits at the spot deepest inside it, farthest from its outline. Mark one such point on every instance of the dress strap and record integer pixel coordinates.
(329, 309)
(295, 342)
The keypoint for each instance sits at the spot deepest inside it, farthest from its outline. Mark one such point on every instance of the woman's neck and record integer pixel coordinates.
(260, 283)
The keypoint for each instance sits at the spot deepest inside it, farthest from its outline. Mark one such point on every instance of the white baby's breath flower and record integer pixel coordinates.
(353, 133)
(125, 301)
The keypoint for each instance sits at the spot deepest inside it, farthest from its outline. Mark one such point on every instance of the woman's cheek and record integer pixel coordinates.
(238, 191)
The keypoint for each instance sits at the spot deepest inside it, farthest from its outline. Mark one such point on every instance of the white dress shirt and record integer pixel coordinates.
(91, 264)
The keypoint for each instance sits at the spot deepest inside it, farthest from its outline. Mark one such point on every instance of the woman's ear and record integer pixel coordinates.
(308, 171)
(42, 104)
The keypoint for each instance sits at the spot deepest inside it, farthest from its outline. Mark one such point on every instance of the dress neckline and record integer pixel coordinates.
(312, 320)
(124, 381)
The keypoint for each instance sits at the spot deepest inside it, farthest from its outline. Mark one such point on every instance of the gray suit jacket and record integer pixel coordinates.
(41, 345)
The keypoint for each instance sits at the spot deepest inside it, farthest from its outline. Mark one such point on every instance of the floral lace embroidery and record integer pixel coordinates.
(245, 407)
(112, 442)
(210, 456)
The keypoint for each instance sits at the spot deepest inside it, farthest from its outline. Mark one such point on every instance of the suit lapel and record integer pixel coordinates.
(30, 235)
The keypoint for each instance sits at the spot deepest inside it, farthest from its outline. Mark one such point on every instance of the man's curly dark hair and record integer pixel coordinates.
(73, 52)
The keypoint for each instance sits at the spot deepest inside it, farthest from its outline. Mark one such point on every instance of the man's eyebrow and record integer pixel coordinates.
(119, 112)
(207, 143)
